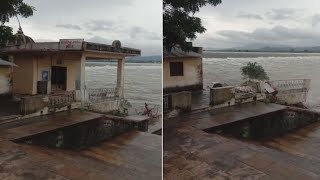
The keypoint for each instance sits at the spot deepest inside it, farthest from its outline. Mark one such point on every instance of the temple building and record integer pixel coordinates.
(182, 71)
(50, 76)
(182, 75)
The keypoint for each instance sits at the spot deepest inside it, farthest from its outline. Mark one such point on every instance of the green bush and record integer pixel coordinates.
(254, 71)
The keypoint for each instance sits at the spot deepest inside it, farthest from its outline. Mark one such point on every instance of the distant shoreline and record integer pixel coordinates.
(134, 59)
(156, 62)
(257, 51)
(114, 63)
(235, 54)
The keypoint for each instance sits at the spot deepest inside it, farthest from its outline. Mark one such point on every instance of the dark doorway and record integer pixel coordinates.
(58, 78)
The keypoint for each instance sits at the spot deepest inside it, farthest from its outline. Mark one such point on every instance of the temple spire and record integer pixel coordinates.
(20, 38)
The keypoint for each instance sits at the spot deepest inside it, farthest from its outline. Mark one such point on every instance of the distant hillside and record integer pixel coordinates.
(144, 59)
(272, 49)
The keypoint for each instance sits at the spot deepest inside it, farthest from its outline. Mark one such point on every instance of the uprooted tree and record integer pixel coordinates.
(179, 22)
(9, 9)
(254, 71)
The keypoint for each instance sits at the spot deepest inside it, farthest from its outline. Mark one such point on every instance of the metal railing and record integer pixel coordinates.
(60, 100)
(100, 94)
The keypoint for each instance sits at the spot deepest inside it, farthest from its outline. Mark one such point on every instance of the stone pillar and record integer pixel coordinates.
(81, 89)
(120, 78)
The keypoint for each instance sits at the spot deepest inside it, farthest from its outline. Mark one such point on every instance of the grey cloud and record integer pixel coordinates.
(279, 35)
(108, 26)
(100, 25)
(119, 3)
(69, 26)
(150, 48)
(282, 14)
(134, 31)
(315, 19)
(250, 16)
(140, 31)
(154, 48)
(99, 39)
(61, 5)
(113, 2)
(113, 19)
(45, 40)
(295, 33)
(113, 27)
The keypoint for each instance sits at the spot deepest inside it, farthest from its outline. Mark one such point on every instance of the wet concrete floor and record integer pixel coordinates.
(26, 127)
(191, 153)
(217, 117)
(133, 155)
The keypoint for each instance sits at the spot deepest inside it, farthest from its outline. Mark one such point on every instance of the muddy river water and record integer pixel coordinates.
(225, 67)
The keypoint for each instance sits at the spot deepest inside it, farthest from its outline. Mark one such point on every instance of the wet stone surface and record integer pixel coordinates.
(134, 155)
(125, 154)
(191, 153)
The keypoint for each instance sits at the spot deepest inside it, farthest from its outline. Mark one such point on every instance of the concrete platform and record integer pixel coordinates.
(154, 123)
(218, 117)
(134, 155)
(190, 153)
(25, 127)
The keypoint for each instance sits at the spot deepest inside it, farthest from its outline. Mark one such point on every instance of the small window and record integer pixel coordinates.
(176, 68)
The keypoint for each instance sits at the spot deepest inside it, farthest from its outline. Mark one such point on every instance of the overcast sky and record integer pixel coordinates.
(255, 23)
(136, 23)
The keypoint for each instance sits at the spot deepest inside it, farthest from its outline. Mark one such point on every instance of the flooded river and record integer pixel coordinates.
(225, 67)
(142, 81)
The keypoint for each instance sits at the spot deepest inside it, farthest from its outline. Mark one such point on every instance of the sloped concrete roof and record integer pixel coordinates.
(177, 52)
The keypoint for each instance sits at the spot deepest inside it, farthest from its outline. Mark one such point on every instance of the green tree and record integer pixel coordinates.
(5, 35)
(254, 71)
(179, 22)
(9, 9)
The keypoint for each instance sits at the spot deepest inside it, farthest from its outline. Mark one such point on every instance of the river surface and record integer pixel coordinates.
(143, 81)
(225, 67)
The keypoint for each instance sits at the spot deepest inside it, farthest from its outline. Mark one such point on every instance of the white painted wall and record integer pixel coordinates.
(4, 85)
(4, 79)
(192, 69)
